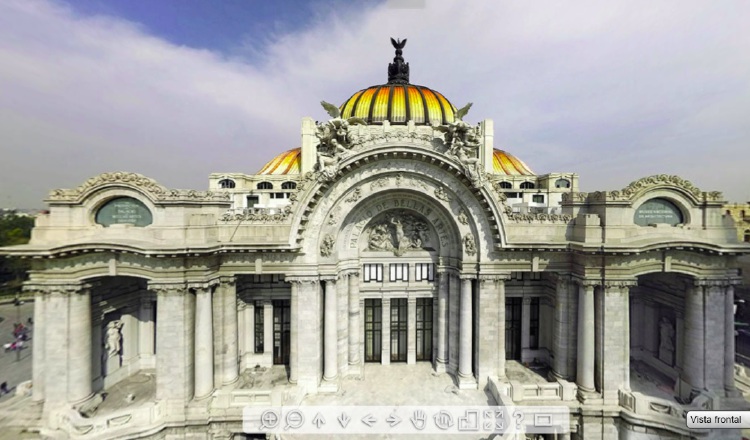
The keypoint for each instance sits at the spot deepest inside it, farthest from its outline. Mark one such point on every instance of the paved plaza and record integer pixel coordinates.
(15, 367)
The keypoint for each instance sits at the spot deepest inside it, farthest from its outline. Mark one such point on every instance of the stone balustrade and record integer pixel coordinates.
(115, 424)
(518, 392)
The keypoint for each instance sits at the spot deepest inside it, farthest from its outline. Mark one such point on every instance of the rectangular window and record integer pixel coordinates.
(534, 324)
(513, 195)
(424, 272)
(258, 326)
(373, 272)
(537, 198)
(399, 271)
(252, 201)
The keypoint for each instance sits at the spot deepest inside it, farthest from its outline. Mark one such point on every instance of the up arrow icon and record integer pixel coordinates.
(343, 420)
(318, 420)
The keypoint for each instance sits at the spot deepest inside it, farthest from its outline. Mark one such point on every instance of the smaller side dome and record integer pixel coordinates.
(285, 163)
(506, 164)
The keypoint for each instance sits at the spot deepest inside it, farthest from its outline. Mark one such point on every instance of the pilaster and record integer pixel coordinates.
(330, 342)
(441, 359)
(615, 361)
(466, 379)
(354, 318)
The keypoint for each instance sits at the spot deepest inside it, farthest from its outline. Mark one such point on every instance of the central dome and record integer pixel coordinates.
(399, 102)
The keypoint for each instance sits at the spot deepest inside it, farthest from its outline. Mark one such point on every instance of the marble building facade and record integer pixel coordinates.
(397, 232)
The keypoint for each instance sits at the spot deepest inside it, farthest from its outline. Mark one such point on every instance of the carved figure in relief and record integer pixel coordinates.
(114, 337)
(666, 334)
(335, 140)
(400, 233)
(470, 245)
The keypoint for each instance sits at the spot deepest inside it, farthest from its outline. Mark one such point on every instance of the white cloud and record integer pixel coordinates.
(611, 90)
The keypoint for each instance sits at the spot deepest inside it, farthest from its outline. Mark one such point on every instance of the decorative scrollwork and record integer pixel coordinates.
(442, 194)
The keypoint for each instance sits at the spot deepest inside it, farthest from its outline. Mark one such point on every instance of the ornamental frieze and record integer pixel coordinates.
(259, 215)
(143, 183)
(640, 185)
(401, 232)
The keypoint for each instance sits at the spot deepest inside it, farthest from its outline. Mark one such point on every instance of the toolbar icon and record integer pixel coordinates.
(470, 421)
(393, 419)
(369, 420)
(318, 420)
(294, 419)
(419, 419)
(443, 420)
(269, 419)
(343, 420)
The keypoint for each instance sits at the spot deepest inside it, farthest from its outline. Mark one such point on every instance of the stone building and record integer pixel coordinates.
(740, 213)
(396, 233)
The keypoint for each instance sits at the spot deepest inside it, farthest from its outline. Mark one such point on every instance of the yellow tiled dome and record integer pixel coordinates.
(398, 104)
(509, 165)
(285, 163)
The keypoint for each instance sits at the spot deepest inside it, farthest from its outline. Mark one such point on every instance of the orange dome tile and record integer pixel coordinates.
(285, 163)
(398, 104)
(509, 165)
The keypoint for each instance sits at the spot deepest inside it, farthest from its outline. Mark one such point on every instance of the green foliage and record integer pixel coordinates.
(14, 230)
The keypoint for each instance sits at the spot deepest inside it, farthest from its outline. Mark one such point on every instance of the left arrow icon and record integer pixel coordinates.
(369, 420)
(318, 420)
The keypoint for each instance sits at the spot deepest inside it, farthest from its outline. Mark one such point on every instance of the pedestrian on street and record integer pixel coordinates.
(4, 388)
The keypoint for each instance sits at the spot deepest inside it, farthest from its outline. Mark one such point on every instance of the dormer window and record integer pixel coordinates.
(506, 185)
(289, 185)
(265, 185)
(527, 185)
(226, 183)
(562, 183)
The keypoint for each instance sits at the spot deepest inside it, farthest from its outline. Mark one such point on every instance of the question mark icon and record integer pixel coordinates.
(518, 415)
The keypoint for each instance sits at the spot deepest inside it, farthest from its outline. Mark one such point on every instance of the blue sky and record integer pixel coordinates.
(175, 90)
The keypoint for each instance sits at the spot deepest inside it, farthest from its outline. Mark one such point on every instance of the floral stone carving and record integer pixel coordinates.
(326, 248)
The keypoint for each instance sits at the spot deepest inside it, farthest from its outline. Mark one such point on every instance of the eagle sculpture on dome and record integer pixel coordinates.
(335, 113)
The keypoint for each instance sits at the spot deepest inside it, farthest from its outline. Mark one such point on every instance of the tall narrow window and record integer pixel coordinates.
(399, 271)
(259, 326)
(424, 272)
(373, 272)
(534, 324)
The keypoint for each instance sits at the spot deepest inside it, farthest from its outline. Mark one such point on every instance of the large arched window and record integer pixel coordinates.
(506, 185)
(226, 183)
(562, 183)
(527, 185)
(265, 185)
(289, 185)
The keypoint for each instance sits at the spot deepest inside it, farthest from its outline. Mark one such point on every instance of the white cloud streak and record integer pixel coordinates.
(611, 90)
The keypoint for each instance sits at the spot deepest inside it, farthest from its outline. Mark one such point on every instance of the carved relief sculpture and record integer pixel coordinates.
(463, 143)
(470, 245)
(114, 337)
(400, 233)
(666, 341)
(335, 141)
(326, 248)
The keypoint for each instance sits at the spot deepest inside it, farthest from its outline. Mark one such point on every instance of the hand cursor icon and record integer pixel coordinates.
(419, 419)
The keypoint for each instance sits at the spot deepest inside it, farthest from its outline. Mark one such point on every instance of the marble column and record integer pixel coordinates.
(442, 323)
(586, 353)
(268, 331)
(411, 331)
(79, 351)
(241, 332)
(465, 372)
(37, 365)
(230, 364)
(354, 318)
(501, 328)
(175, 347)
(714, 331)
(249, 334)
(729, 340)
(204, 343)
(330, 370)
(146, 331)
(294, 332)
(693, 348)
(560, 330)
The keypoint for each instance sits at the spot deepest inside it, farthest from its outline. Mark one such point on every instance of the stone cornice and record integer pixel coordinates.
(717, 282)
(302, 279)
(640, 186)
(162, 288)
(149, 187)
(67, 288)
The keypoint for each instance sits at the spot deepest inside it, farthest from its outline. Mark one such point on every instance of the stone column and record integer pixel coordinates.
(354, 318)
(310, 343)
(560, 329)
(442, 323)
(693, 348)
(487, 329)
(55, 336)
(411, 331)
(241, 332)
(146, 331)
(204, 343)
(249, 334)
(714, 331)
(38, 346)
(501, 328)
(294, 331)
(586, 338)
(230, 364)
(615, 364)
(175, 347)
(268, 331)
(729, 340)
(454, 295)
(465, 372)
(330, 342)
(525, 328)
(79, 348)
(385, 354)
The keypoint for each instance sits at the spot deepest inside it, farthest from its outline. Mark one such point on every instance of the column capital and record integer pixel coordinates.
(618, 286)
(301, 279)
(60, 288)
(328, 277)
(586, 282)
(203, 285)
(715, 282)
(349, 272)
(164, 288)
(494, 277)
(468, 276)
(526, 301)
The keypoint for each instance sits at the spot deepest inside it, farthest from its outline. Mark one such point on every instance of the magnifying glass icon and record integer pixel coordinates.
(269, 419)
(294, 419)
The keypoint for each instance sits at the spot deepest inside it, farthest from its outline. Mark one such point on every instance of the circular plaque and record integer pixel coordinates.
(124, 210)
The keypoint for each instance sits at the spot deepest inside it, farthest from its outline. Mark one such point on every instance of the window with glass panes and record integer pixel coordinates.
(372, 272)
(259, 326)
(399, 271)
(424, 272)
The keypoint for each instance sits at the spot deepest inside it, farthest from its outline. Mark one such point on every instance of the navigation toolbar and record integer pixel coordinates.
(407, 419)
